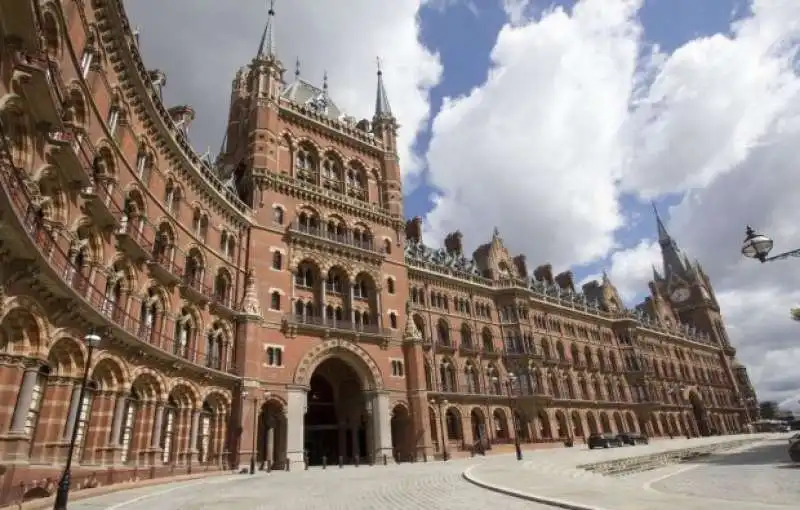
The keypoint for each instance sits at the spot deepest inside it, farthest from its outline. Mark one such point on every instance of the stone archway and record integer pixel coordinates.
(402, 434)
(699, 414)
(478, 426)
(336, 420)
(271, 440)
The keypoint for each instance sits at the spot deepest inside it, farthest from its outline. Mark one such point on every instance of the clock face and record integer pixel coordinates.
(680, 295)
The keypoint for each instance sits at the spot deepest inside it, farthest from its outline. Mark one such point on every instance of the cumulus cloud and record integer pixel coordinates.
(579, 109)
(201, 44)
(537, 149)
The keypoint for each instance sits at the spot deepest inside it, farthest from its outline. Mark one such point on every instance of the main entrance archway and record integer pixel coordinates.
(700, 414)
(336, 420)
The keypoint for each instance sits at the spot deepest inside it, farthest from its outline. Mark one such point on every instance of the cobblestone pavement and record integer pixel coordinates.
(554, 479)
(762, 475)
(407, 486)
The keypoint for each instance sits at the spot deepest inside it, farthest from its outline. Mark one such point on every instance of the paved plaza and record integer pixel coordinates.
(750, 478)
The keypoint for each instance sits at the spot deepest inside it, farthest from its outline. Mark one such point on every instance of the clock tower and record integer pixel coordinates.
(691, 295)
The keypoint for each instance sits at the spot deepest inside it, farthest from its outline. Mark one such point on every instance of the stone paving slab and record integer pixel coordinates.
(557, 481)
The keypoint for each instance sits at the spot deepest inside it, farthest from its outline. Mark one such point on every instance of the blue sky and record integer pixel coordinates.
(465, 33)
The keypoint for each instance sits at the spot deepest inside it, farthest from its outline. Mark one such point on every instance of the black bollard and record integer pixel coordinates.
(355, 460)
(269, 466)
(341, 461)
(324, 462)
(288, 465)
(424, 456)
(385, 460)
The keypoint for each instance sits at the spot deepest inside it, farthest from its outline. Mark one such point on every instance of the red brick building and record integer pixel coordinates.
(273, 302)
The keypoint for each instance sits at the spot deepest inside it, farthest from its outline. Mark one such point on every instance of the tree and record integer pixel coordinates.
(768, 410)
(796, 314)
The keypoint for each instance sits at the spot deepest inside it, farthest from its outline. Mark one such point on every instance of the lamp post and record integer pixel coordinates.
(441, 402)
(757, 246)
(241, 428)
(255, 432)
(508, 384)
(92, 340)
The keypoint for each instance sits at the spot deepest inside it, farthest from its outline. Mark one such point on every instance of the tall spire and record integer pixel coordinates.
(382, 108)
(671, 255)
(663, 235)
(266, 47)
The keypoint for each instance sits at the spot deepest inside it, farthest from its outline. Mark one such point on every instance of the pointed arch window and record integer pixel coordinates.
(275, 301)
(184, 334)
(129, 425)
(168, 428)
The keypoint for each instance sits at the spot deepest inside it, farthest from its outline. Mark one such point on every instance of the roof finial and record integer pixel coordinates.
(325, 81)
(378, 62)
(297, 68)
(663, 235)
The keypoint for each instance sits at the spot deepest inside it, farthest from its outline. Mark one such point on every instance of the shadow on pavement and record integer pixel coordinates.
(775, 452)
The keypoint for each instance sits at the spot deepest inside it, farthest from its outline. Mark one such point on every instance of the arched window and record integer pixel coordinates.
(277, 260)
(168, 427)
(443, 332)
(184, 334)
(275, 301)
(277, 215)
(393, 320)
(390, 285)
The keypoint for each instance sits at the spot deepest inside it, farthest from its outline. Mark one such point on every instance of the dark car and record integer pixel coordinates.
(632, 438)
(794, 451)
(603, 441)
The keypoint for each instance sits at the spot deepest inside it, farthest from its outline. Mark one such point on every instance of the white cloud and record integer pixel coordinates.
(537, 149)
(201, 43)
(577, 110)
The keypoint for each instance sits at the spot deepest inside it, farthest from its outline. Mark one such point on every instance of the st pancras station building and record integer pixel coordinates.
(163, 312)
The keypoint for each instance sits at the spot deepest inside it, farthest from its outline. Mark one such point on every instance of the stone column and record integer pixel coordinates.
(379, 311)
(74, 406)
(24, 400)
(193, 430)
(322, 297)
(295, 430)
(352, 303)
(381, 427)
(118, 420)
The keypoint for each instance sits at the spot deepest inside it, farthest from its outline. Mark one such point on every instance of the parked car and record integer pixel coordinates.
(603, 441)
(794, 437)
(794, 451)
(632, 438)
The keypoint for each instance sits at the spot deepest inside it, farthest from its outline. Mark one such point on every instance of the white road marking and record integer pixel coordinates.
(167, 491)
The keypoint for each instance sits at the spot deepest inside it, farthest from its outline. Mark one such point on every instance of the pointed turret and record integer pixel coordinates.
(266, 47)
(382, 108)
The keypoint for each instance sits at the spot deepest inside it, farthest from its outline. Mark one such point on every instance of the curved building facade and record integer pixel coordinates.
(271, 303)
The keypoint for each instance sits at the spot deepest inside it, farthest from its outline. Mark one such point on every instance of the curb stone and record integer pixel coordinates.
(559, 503)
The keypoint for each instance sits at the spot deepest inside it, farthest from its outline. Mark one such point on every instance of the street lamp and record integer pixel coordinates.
(441, 402)
(508, 382)
(255, 431)
(92, 340)
(757, 246)
(241, 428)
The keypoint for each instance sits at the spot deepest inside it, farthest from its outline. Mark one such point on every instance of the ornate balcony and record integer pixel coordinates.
(42, 86)
(101, 205)
(163, 268)
(314, 234)
(445, 347)
(315, 324)
(73, 295)
(194, 289)
(469, 349)
(223, 306)
(73, 154)
(135, 237)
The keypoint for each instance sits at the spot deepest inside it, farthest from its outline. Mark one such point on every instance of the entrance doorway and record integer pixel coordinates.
(336, 420)
(700, 415)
